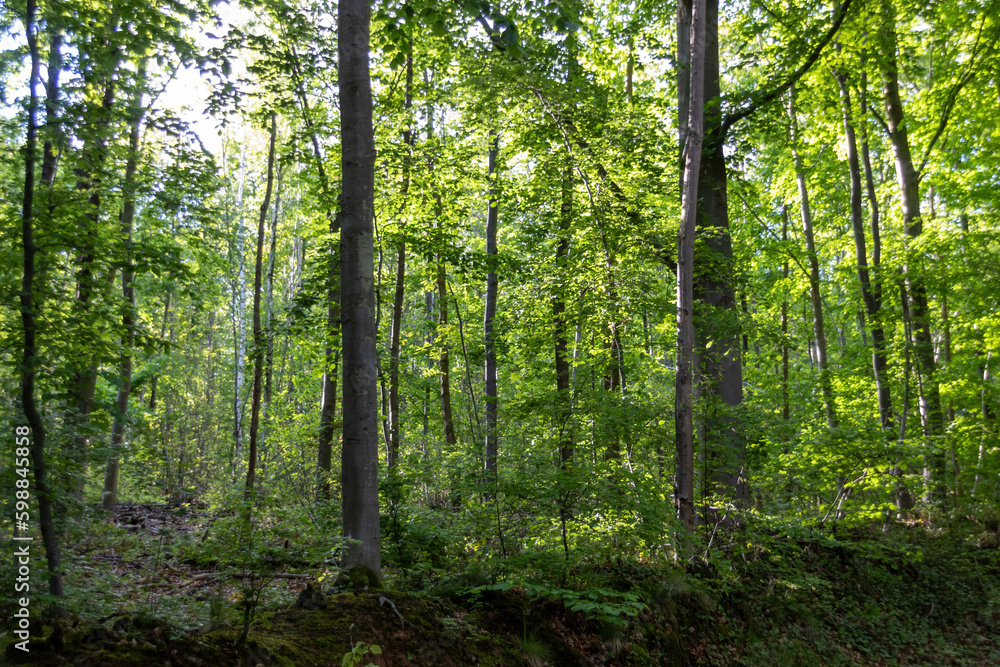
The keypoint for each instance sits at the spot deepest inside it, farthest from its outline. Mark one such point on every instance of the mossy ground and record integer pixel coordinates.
(911, 598)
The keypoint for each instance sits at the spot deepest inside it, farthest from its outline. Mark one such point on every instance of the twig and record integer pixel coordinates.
(238, 575)
(382, 601)
(279, 575)
(844, 488)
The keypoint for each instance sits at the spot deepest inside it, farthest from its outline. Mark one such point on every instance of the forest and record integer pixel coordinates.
(554, 332)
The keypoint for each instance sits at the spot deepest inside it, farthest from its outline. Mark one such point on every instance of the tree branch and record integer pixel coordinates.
(949, 104)
(775, 93)
(881, 121)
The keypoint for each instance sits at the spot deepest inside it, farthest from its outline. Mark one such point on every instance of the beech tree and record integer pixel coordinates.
(824, 333)
(359, 460)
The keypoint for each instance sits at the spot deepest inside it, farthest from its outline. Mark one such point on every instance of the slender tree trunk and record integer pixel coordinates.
(475, 425)
(869, 294)
(785, 403)
(163, 332)
(904, 500)
(258, 330)
(359, 461)
(909, 186)
(560, 325)
(269, 327)
(328, 408)
(946, 349)
(269, 322)
(83, 384)
(50, 155)
(238, 308)
(395, 423)
(110, 496)
(989, 422)
(444, 363)
(490, 311)
(399, 295)
(826, 383)
(31, 305)
(684, 396)
(328, 400)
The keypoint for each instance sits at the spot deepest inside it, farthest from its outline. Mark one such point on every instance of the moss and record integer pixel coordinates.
(362, 576)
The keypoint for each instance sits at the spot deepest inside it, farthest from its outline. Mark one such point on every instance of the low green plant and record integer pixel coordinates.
(608, 606)
(536, 652)
(358, 652)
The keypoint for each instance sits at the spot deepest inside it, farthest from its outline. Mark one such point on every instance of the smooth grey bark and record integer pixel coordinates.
(721, 370)
(908, 179)
(31, 305)
(490, 310)
(719, 367)
(684, 386)
(109, 498)
(359, 458)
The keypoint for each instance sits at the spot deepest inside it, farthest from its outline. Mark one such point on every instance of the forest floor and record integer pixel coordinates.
(916, 597)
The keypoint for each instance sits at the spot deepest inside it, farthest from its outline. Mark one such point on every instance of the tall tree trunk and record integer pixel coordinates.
(83, 384)
(359, 461)
(328, 399)
(31, 305)
(269, 309)
(238, 309)
(399, 294)
(721, 370)
(560, 325)
(444, 363)
(269, 326)
(909, 186)
(163, 332)
(50, 155)
(684, 389)
(869, 295)
(946, 349)
(815, 297)
(785, 403)
(490, 310)
(989, 422)
(258, 330)
(110, 496)
(328, 409)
